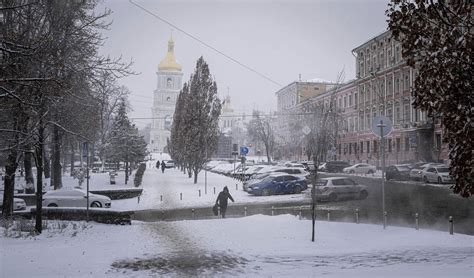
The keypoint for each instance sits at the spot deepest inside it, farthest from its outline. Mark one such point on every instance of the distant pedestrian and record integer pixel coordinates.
(163, 166)
(222, 200)
(158, 164)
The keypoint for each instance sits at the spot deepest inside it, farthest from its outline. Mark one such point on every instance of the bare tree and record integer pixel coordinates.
(260, 129)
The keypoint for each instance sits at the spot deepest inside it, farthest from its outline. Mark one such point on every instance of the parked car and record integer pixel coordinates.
(397, 172)
(439, 174)
(278, 184)
(74, 198)
(360, 168)
(18, 203)
(338, 188)
(416, 173)
(169, 164)
(336, 166)
(309, 165)
(322, 167)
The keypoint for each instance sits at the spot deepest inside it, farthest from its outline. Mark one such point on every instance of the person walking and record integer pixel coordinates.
(222, 200)
(163, 166)
(158, 164)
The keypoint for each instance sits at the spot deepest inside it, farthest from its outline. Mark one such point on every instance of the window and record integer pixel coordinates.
(350, 100)
(398, 145)
(167, 122)
(368, 146)
(407, 144)
(345, 102)
(169, 83)
(397, 113)
(406, 112)
(361, 147)
(389, 145)
(339, 148)
(375, 146)
(350, 148)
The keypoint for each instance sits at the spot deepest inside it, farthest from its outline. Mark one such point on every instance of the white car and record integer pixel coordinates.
(360, 168)
(416, 173)
(74, 198)
(169, 164)
(18, 203)
(339, 188)
(439, 174)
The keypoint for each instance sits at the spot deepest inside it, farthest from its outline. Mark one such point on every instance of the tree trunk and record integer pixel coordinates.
(126, 171)
(195, 176)
(267, 150)
(56, 159)
(30, 181)
(9, 183)
(39, 180)
(46, 163)
(72, 158)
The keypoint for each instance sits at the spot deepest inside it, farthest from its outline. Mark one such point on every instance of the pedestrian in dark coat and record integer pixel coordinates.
(158, 165)
(222, 200)
(163, 166)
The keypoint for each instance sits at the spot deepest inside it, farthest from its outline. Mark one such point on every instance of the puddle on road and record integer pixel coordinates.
(185, 263)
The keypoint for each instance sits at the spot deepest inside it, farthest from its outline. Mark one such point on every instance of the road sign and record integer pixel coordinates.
(306, 130)
(386, 124)
(244, 150)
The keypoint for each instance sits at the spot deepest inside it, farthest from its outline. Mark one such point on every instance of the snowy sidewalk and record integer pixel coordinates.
(271, 246)
(173, 189)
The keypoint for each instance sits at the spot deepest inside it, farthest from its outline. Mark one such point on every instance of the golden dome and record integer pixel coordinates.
(169, 62)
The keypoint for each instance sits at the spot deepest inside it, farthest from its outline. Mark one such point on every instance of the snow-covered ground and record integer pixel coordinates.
(249, 246)
(271, 246)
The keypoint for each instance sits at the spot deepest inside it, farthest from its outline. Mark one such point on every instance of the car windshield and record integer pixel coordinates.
(443, 170)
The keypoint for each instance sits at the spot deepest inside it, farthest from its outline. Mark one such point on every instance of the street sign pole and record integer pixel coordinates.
(85, 153)
(382, 151)
(205, 174)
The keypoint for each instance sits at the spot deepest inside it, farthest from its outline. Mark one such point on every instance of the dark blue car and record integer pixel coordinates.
(280, 184)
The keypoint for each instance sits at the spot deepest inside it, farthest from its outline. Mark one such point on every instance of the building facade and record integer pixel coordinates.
(381, 88)
(169, 83)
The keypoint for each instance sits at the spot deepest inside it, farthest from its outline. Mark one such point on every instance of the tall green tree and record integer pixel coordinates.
(437, 41)
(196, 131)
(126, 145)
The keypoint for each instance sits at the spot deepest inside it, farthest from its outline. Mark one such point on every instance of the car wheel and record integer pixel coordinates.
(52, 205)
(352, 172)
(425, 179)
(297, 190)
(370, 172)
(96, 205)
(333, 197)
(439, 180)
(363, 195)
(266, 192)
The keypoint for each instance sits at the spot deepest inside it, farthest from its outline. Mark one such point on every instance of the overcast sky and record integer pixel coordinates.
(280, 39)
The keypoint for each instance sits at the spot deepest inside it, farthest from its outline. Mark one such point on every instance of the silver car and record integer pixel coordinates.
(439, 174)
(74, 198)
(338, 188)
(18, 203)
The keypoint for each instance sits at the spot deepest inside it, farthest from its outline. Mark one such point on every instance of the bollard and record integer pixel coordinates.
(199, 192)
(329, 215)
(138, 199)
(272, 211)
(214, 191)
(161, 198)
(192, 211)
(357, 216)
(236, 187)
(416, 221)
(301, 212)
(181, 196)
(451, 225)
(245, 211)
(384, 219)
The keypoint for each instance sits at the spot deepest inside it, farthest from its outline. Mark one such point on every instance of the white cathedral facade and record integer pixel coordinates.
(169, 82)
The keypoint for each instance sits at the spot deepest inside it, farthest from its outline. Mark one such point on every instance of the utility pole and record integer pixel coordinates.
(381, 125)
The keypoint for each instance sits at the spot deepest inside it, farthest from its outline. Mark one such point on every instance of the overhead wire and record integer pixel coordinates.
(205, 44)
